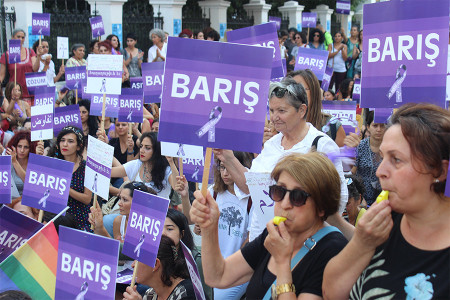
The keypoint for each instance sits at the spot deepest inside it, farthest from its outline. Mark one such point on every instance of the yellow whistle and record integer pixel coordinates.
(277, 220)
(384, 195)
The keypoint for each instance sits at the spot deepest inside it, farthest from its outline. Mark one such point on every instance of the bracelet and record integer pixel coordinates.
(130, 153)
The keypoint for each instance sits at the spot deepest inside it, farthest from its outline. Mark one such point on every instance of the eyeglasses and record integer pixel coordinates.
(221, 168)
(297, 37)
(296, 196)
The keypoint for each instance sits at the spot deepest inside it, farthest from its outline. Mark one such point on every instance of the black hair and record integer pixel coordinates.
(36, 44)
(196, 34)
(173, 265)
(140, 186)
(321, 35)
(56, 152)
(92, 120)
(355, 188)
(131, 35)
(92, 45)
(303, 36)
(282, 33)
(343, 88)
(109, 38)
(14, 295)
(245, 158)
(214, 35)
(183, 225)
(159, 163)
(292, 29)
(331, 92)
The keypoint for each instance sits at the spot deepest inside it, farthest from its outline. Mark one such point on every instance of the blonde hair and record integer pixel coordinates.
(317, 175)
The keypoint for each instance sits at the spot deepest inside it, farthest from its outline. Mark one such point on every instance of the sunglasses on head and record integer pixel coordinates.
(281, 91)
(296, 196)
(140, 186)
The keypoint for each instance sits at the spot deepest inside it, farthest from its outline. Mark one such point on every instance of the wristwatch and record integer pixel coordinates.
(281, 289)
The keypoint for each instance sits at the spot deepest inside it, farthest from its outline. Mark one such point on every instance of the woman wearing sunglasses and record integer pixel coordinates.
(305, 202)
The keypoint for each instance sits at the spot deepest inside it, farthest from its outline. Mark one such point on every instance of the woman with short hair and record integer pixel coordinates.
(77, 59)
(158, 51)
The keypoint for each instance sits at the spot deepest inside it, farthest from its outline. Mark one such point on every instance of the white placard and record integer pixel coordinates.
(42, 122)
(181, 150)
(63, 47)
(104, 74)
(98, 167)
(258, 184)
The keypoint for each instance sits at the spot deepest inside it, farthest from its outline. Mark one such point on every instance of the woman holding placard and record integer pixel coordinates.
(151, 168)
(303, 237)
(28, 63)
(69, 146)
(77, 60)
(46, 64)
(400, 248)
(316, 39)
(13, 104)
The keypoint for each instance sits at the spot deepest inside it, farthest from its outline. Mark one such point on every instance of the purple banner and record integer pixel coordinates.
(343, 7)
(145, 226)
(98, 168)
(87, 265)
(193, 169)
(83, 92)
(111, 108)
(381, 115)
(34, 80)
(47, 183)
(5, 179)
(131, 106)
(313, 59)
(40, 24)
(309, 20)
(44, 96)
(97, 26)
(137, 83)
(405, 53)
(152, 78)
(215, 94)
(344, 111)
(15, 230)
(42, 122)
(75, 77)
(447, 183)
(276, 20)
(263, 35)
(357, 90)
(326, 78)
(65, 116)
(14, 52)
(193, 272)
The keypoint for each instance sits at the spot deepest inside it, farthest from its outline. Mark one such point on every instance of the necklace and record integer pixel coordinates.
(147, 176)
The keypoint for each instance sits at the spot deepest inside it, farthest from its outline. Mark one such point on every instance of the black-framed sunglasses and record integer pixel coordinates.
(296, 196)
(279, 92)
(140, 186)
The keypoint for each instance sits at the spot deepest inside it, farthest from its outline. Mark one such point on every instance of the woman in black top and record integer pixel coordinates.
(307, 191)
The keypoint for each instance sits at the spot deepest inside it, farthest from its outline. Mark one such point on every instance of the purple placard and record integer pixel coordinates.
(263, 35)
(136, 83)
(145, 226)
(98, 168)
(65, 116)
(326, 78)
(83, 92)
(124, 276)
(40, 24)
(97, 26)
(5, 179)
(193, 272)
(47, 183)
(15, 230)
(309, 20)
(447, 184)
(415, 73)
(276, 20)
(44, 95)
(196, 110)
(34, 80)
(152, 78)
(131, 104)
(75, 77)
(193, 169)
(14, 51)
(313, 59)
(111, 108)
(344, 111)
(381, 115)
(343, 7)
(357, 90)
(87, 265)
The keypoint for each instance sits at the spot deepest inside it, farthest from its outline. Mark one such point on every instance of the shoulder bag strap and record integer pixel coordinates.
(309, 244)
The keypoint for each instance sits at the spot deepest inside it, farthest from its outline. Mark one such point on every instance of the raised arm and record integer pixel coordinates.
(218, 272)
(234, 167)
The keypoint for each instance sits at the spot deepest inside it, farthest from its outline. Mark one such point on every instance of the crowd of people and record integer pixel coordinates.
(336, 241)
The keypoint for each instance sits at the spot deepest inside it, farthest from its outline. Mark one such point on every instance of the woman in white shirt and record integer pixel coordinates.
(46, 64)
(158, 51)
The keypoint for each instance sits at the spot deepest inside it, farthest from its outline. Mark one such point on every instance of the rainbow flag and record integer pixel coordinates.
(32, 267)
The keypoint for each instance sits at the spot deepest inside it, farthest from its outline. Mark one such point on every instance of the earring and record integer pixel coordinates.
(436, 181)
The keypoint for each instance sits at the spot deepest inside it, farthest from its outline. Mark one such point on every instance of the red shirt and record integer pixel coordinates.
(25, 66)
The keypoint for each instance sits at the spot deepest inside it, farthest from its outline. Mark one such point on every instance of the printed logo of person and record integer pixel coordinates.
(396, 88)
(83, 291)
(210, 125)
(94, 185)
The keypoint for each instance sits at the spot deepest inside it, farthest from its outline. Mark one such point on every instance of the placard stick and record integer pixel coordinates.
(95, 205)
(41, 215)
(206, 171)
(130, 128)
(15, 74)
(196, 186)
(76, 96)
(308, 34)
(63, 62)
(133, 279)
(180, 165)
(102, 126)
(40, 41)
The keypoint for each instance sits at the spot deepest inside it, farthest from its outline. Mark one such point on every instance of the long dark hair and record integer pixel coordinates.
(173, 265)
(92, 120)
(158, 162)
(321, 35)
(56, 152)
(182, 223)
(245, 158)
(109, 38)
